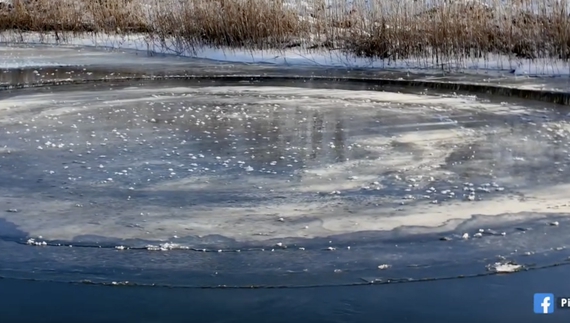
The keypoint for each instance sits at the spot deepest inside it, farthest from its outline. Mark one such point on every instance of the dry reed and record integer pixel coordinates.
(429, 30)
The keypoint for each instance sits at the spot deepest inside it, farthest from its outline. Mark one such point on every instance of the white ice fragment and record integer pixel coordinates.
(505, 267)
(281, 245)
(384, 266)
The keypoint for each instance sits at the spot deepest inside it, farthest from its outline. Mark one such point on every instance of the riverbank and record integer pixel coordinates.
(511, 36)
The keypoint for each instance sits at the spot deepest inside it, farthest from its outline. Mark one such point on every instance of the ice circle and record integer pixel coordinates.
(278, 183)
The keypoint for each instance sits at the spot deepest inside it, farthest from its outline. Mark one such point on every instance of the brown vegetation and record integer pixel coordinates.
(436, 30)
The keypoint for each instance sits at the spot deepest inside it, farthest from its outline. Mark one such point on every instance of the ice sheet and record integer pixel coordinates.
(256, 163)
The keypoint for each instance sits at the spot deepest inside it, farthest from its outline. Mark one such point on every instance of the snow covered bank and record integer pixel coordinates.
(520, 38)
(293, 57)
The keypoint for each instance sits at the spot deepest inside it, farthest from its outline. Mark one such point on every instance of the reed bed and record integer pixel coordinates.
(435, 30)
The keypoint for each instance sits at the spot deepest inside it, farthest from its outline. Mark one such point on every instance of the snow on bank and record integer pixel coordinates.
(296, 57)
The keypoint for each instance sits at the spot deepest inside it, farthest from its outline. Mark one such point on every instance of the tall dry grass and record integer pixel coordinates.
(107, 16)
(430, 30)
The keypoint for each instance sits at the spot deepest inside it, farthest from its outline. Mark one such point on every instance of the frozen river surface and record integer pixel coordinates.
(289, 183)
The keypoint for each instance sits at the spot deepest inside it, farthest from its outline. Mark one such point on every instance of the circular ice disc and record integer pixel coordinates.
(188, 183)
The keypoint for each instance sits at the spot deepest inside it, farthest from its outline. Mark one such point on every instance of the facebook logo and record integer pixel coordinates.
(543, 303)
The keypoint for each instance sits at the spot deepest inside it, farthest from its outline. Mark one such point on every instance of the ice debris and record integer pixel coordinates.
(33, 242)
(166, 246)
(505, 267)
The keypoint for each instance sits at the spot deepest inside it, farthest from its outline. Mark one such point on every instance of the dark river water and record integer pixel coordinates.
(507, 298)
